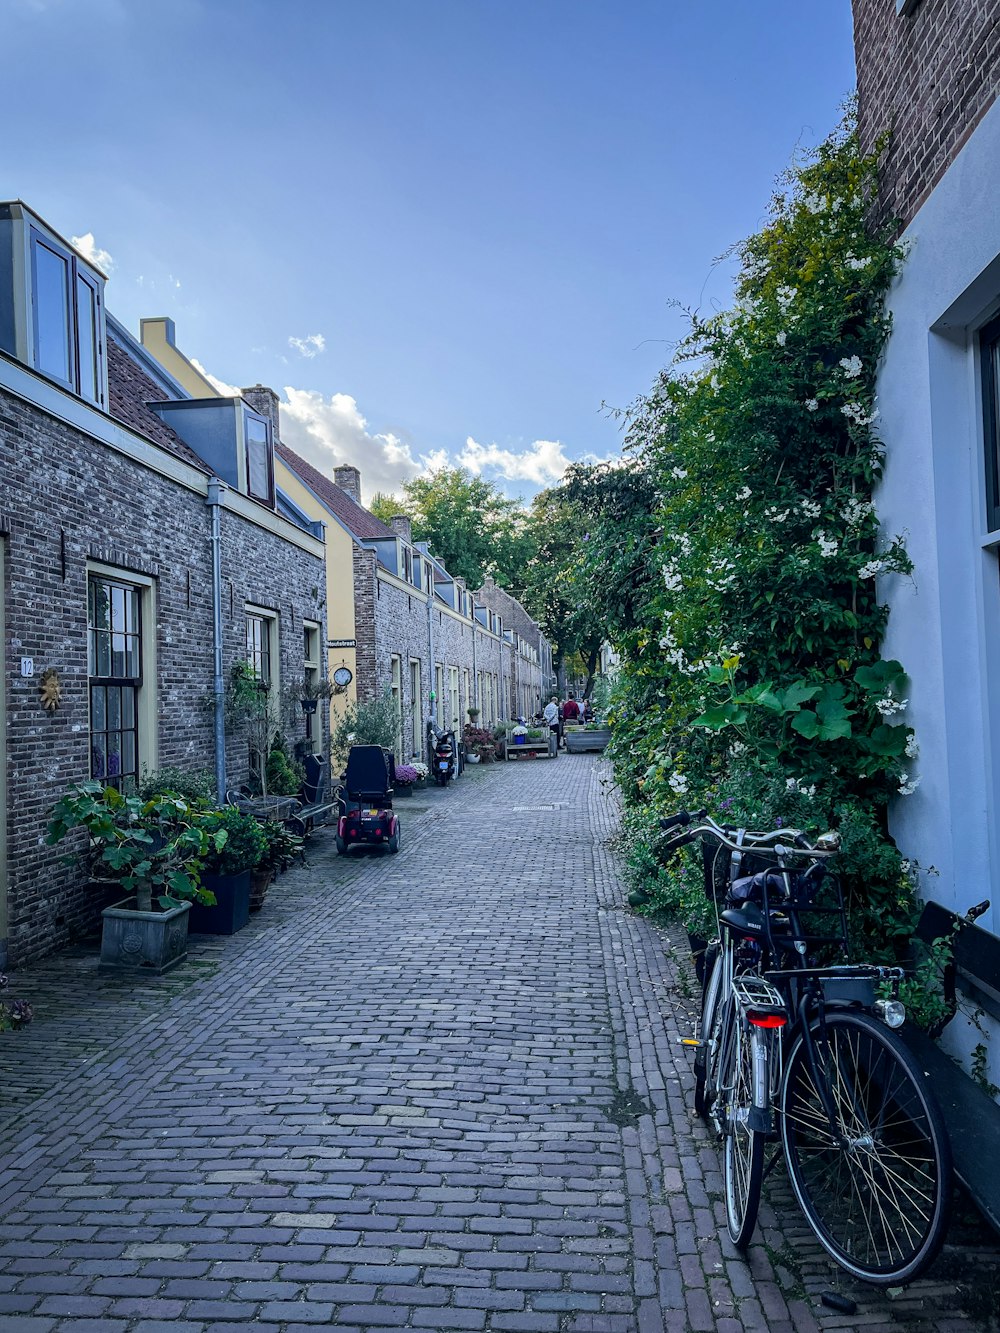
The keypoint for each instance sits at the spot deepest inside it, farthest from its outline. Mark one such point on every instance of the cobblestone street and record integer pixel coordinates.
(435, 1091)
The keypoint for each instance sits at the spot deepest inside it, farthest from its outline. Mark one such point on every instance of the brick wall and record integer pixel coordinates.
(66, 499)
(929, 77)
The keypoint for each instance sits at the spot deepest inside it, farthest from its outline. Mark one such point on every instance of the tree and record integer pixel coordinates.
(387, 507)
(470, 525)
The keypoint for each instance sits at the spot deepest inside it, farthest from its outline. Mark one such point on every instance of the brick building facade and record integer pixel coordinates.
(420, 632)
(106, 575)
(928, 75)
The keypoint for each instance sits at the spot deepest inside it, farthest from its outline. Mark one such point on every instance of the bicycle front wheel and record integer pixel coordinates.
(875, 1185)
(743, 1149)
(706, 1054)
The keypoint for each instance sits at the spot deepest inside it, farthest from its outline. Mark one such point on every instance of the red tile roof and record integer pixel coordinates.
(130, 391)
(358, 521)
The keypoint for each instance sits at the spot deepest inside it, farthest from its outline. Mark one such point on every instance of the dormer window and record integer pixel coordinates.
(58, 307)
(260, 477)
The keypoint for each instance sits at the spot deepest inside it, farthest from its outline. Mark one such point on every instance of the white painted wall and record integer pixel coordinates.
(944, 624)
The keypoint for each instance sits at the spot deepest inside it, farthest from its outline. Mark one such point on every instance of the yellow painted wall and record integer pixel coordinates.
(157, 336)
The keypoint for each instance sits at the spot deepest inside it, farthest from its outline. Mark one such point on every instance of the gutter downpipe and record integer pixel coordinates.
(431, 677)
(216, 491)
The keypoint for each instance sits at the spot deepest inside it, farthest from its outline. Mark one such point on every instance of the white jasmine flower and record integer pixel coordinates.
(852, 366)
(871, 570)
(791, 784)
(810, 508)
(814, 203)
(857, 264)
(714, 383)
(912, 748)
(678, 783)
(889, 706)
(828, 545)
(679, 473)
(784, 296)
(812, 404)
(671, 579)
(782, 338)
(856, 510)
(744, 493)
(907, 785)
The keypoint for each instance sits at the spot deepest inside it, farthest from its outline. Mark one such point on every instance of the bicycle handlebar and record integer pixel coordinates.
(748, 839)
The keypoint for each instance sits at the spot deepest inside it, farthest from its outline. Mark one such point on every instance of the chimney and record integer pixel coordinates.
(264, 401)
(348, 478)
(400, 525)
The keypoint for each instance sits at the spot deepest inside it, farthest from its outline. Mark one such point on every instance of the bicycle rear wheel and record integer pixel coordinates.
(877, 1190)
(743, 1149)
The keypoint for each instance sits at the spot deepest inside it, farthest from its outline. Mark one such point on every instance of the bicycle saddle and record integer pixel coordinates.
(748, 920)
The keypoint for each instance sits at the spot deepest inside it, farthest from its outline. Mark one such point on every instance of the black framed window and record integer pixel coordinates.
(114, 634)
(67, 310)
(989, 347)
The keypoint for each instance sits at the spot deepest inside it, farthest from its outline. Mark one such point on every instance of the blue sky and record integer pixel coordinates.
(443, 230)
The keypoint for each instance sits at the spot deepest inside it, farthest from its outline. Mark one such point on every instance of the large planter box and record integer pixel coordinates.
(582, 742)
(143, 942)
(232, 905)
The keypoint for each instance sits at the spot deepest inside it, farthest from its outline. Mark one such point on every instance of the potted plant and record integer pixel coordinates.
(422, 772)
(405, 777)
(152, 851)
(519, 734)
(480, 745)
(249, 709)
(14, 1014)
(473, 714)
(227, 868)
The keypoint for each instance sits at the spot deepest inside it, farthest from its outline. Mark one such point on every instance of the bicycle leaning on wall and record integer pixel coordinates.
(795, 1050)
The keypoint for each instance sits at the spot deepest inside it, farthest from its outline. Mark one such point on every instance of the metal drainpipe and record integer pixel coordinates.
(432, 679)
(475, 665)
(216, 490)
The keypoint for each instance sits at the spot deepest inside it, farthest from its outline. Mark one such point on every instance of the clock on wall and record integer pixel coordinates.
(342, 677)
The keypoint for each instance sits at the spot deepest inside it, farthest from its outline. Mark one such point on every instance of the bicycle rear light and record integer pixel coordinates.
(760, 1019)
(891, 1012)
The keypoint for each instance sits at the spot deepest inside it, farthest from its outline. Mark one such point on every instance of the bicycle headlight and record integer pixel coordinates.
(891, 1012)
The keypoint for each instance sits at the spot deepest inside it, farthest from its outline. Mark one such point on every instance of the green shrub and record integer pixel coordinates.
(196, 785)
(244, 846)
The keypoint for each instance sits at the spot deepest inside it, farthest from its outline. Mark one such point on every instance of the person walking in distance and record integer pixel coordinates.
(571, 709)
(551, 714)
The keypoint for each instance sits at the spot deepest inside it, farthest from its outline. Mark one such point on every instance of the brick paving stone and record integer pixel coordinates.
(389, 1102)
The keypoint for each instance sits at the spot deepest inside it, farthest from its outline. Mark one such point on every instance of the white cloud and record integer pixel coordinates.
(92, 252)
(310, 346)
(543, 463)
(329, 432)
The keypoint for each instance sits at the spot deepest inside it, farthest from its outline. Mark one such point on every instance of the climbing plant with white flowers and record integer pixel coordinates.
(759, 659)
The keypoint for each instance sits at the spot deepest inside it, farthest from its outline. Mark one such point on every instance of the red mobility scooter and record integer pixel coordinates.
(366, 814)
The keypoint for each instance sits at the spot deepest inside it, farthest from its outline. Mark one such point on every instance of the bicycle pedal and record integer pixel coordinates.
(691, 1041)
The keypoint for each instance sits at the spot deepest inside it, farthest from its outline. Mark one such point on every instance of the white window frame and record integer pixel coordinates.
(147, 713)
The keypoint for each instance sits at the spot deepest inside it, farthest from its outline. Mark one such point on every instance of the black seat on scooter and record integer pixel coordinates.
(368, 774)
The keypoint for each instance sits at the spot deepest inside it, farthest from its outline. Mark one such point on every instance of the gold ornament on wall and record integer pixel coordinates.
(51, 690)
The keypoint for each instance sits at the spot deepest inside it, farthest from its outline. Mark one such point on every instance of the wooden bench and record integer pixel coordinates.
(971, 1114)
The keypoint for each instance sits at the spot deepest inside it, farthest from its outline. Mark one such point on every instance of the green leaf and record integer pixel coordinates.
(797, 694)
(888, 741)
(715, 718)
(806, 724)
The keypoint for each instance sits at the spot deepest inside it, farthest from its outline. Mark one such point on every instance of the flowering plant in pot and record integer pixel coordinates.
(14, 1014)
(480, 745)
(406, 776)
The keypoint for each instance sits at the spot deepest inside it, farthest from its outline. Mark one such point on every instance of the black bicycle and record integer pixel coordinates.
(796, 1050)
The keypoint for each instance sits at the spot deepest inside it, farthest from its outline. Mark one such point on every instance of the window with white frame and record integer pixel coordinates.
(455, 717)
(262, 657)
(396, 668)
(439, 693)
(312, 669)
(121, 677)
(416, 708)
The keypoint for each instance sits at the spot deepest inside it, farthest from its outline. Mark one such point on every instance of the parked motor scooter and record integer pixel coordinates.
(445, 757)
